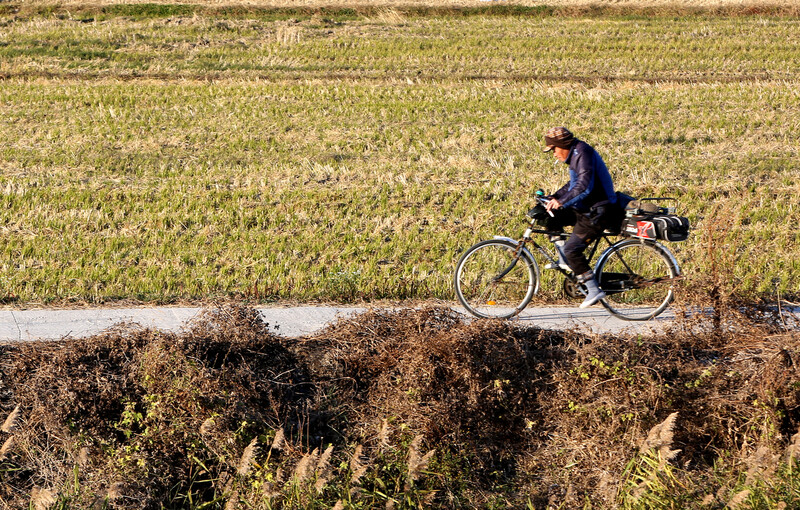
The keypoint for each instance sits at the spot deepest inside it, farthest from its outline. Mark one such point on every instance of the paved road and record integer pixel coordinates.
(16, 325)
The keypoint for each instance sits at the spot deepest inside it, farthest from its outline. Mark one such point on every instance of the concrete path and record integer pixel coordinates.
(16, 325)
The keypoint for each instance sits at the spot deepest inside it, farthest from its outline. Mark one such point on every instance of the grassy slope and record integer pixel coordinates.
(197, 156)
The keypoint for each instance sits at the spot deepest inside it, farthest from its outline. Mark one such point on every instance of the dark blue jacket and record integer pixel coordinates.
(589, 180)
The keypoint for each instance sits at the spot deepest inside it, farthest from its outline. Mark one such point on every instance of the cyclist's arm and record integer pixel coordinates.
(561, 192)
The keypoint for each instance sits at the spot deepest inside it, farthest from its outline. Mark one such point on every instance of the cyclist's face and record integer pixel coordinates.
(561, 154)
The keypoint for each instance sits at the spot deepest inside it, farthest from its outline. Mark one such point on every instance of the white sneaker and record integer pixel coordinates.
(550, 265)
(592, 299)
(594, 293)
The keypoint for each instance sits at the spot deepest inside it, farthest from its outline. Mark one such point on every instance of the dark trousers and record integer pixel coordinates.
(585, 231)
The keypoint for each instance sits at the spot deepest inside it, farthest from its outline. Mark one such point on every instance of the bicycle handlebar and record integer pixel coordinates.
(542, 199)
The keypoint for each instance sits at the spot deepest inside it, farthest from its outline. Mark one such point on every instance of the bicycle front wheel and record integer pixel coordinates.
(637, 278)
(492, 282)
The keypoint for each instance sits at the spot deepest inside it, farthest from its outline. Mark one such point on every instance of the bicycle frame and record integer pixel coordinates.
(550, 256)
(595, 245)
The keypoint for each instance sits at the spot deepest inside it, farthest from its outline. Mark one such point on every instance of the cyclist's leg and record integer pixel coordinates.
(563, 217)
(582, 235)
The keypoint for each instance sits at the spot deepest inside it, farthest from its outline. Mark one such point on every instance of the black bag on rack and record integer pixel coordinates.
(646, 220)
(671, 227)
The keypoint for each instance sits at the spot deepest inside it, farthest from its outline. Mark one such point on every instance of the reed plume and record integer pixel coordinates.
(207, 427)
(738, 500)
(247, 458)
(655, 467)
(358, 468)
(12, 420)
(42, 499)
(416, 464)
(277, 443)
(303, 469)
(323, 470)
(383, 434)
(660, 438)
(6, 448)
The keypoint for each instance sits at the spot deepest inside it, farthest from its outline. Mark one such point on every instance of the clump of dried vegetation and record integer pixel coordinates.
(402, 409)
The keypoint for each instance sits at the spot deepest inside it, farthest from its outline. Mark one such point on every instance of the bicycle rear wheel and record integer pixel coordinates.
(637, 278)
(492, 283)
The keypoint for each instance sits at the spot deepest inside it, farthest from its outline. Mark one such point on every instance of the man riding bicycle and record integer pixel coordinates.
(587, 201)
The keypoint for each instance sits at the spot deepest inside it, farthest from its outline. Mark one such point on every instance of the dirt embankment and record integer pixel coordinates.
(408, 408)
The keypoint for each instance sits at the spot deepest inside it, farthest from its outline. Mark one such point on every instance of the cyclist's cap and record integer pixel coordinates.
(560, 137)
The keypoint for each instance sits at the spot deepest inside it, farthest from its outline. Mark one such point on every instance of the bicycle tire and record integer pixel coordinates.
(481, 293)
(637, 278)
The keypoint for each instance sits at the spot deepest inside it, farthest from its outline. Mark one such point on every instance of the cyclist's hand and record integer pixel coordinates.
(553, 204)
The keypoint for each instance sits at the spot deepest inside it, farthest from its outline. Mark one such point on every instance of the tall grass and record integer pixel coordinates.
(195, 158)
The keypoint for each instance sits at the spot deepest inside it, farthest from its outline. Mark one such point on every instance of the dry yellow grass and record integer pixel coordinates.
(167, 154)
(434, 3)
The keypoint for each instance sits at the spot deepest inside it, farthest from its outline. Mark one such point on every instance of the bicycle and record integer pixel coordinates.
(498, 278)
